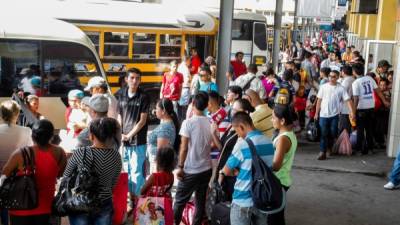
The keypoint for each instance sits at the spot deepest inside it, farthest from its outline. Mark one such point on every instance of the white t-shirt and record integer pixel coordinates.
(364, 87)
(12, 138)
(184, 70)
(332, 99)
(198, 130)
(346, 83)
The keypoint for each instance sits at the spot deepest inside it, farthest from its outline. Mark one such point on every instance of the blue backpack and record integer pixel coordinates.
(267, 192)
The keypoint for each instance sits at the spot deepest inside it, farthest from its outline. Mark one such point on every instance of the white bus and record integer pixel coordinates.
(56, 52)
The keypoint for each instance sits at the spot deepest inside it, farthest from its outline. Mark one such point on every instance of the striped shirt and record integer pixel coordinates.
(106, 164)
(241, 159)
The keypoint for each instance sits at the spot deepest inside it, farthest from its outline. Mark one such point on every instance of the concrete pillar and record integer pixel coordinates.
(394, 121)
(224, 43)
(303, 28)
(295, 21)
(386, 22)
(277, 33)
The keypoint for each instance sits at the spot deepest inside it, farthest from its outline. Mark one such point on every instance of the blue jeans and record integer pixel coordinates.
(247, 215)
(395, 173)
(134, 162)
(104, 217)
(329, 132)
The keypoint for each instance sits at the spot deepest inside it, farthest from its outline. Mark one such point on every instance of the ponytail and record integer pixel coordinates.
(168, 107)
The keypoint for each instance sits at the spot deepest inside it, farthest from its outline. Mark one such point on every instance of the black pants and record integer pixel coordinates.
(365, 129)
(197, 183)
(278, 218)
(43, 219)
(302, 118)
(344, 123)
(381, 125)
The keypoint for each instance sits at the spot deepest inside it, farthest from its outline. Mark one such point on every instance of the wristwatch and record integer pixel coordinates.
(222, 172)
(180, 166)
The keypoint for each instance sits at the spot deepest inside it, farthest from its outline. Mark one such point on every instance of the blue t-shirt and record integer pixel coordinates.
(164, 130)
(241, 159)
(207, 87)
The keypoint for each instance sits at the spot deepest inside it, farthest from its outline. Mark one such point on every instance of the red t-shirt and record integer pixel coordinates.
(300, 104)
(162, 183)
(172, 86)
(239, 68)
(195, 64)
(45, 175)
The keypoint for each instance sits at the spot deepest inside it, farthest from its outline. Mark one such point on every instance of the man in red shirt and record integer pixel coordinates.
(239, 67)
(195, 61)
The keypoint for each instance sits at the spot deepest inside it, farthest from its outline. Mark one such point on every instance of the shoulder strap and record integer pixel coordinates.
(252, 147)
(247, 85)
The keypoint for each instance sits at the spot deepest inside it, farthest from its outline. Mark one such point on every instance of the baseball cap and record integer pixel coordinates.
(99, 103)
(95, 82)
(85, 100)
(73, 94)
(384, 63)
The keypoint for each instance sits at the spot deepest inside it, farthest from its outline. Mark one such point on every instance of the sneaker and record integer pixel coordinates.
(322, 156)
(391, 186)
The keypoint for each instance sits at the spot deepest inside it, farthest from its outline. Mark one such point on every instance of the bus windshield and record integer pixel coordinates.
(44, 68)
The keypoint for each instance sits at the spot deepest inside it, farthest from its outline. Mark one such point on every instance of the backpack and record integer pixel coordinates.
(283, 96)
(266, 190)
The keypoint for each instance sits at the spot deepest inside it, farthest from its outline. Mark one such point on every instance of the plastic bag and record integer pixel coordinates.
(343, 145)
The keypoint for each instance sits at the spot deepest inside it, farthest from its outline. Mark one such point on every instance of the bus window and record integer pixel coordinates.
(116, 44)
(95, 38)
(57, 67)
(144, 46)
(18, 60)
(170, 46)
(242, 30)
(259, 36)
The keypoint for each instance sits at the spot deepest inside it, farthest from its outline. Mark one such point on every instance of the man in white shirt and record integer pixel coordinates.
(183, 68)
(346, 82)
(330, 99)
(194, 164)
(331, 61)
(363, 95)
(250, 81)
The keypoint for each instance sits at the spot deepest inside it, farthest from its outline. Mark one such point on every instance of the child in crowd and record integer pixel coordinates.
(159, 184)
(312, 107)
(300, 102)
(74, 116)
(323, 75)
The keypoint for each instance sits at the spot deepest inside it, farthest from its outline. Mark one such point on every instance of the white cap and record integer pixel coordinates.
(95, 82)
(99, 103)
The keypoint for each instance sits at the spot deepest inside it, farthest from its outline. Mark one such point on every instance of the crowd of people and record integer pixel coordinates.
(202, 138)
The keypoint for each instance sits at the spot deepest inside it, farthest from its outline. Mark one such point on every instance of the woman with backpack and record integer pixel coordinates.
(285, 145)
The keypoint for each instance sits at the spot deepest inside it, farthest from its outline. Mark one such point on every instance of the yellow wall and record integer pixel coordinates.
(370, 26)
(361, 25)
(386, 22)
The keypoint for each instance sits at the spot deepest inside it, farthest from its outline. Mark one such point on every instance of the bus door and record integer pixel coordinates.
(259, 47)
(203, 43)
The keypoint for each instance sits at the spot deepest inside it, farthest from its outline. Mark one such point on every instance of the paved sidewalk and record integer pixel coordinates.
(377, 164)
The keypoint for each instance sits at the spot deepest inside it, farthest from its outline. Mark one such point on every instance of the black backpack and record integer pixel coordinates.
(266, 189)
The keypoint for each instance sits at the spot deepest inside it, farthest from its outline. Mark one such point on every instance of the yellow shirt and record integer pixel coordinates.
(262, 119)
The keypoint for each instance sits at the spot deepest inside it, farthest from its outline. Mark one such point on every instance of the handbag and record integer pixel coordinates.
(78, 193)
(19, 191)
